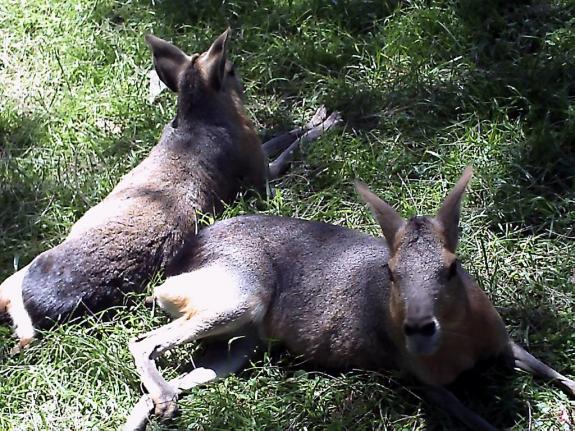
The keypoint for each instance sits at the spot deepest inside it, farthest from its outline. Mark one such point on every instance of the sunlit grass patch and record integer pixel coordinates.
(425, 88)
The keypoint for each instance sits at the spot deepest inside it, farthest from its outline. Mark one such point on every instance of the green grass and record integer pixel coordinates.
(426, 87)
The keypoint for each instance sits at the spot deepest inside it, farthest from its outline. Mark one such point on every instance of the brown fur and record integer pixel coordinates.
(472, 331)
(338, 298)
(207, 153)
(472, 328)
(4, 303)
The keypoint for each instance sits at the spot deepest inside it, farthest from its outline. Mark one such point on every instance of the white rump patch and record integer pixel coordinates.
(11, 293)
(213, 287)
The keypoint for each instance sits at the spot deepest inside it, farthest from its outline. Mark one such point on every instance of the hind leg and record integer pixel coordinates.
(12, 303)
(522, 359)
(280, 143)
(218, 361)
(211, 301)
(282, 162)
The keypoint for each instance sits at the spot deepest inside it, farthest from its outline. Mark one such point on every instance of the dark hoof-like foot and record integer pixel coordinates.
(149, 300)
(166, 405)
(569, 387)
(20, 346)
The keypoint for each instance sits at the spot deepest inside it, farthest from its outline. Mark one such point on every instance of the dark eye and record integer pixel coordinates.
(452, 270)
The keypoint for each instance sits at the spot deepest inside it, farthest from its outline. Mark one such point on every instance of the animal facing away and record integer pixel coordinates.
(338, 297)
(203, 157)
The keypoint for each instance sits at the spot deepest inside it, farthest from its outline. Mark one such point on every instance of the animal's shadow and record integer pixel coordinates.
(491, 389)
(22, 199)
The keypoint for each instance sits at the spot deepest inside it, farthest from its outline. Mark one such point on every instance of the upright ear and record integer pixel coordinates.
(214, 63)
(169, 61)
(448, 214)
(389, 220)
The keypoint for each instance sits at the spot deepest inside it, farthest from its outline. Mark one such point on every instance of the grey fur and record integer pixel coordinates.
(204, 157)
(326, 285)
(133, 233)
(337, 297)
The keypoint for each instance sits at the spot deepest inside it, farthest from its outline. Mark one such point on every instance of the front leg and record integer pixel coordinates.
(147, 348)
(449, 403)
(217, 316)
(522, 359)
(218, 361)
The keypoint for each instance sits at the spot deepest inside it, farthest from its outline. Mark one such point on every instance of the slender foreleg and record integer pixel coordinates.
(218, 361)
(150, 346)
(220, 310)
(522, 359)
(449, 403)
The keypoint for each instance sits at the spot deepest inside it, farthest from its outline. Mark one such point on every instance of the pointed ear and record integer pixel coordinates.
(214, 63)
(448, 214)
(389, 220)
(169, 61)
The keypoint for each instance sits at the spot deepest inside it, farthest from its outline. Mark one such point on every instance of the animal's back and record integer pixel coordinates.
(121, 242)
(328, 284)
(180, 175)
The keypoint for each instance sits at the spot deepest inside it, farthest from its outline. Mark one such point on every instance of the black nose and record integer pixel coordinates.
(426, 328)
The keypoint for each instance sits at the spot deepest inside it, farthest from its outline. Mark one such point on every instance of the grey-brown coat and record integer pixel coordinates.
(335, 296)
(204, 156)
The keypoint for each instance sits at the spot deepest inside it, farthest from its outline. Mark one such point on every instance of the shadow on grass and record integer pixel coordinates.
(521, 63)
(548, 332)
(395, 399)
(390, 395)
(22, 197)
(515, 73)
(525, 65)
(492, 380)
(358, 18)
(307, 40)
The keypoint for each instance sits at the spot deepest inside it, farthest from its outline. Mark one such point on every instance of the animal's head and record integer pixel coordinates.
(207, 84)
(427, 294)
